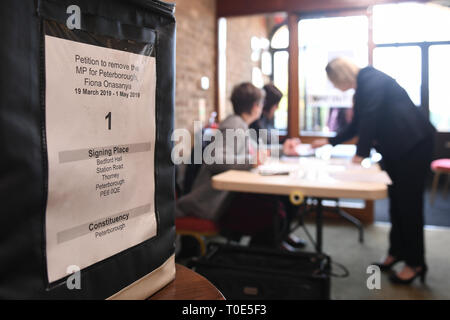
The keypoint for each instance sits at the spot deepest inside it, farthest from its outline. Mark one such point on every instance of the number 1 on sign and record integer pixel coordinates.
(108, 117)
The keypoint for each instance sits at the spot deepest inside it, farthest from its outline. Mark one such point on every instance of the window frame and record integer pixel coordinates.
(283, 132)
(293, 129)
(424, 49)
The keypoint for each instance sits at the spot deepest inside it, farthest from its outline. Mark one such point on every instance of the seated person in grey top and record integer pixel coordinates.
(272, 99)
(225, 152)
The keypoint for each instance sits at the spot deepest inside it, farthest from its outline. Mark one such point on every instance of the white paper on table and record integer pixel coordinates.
(277, 168)
(305, 150)
(362, 175)
(343, 151)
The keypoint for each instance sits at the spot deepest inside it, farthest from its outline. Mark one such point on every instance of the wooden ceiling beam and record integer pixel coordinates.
(228, 8)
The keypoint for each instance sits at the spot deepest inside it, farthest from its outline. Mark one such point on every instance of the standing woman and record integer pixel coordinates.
(385, 118)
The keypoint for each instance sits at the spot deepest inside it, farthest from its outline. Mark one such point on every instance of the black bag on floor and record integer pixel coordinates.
(254, 273)
(86, 178)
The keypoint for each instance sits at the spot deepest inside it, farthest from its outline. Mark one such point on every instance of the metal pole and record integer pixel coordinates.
(319, 223)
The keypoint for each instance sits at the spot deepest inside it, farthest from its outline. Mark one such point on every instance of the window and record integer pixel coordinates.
(323, 108)
(404, 65)
(412, 45)
(410, 22)
(279, 46)
(280, 39)
(439, 87)
(409, 41)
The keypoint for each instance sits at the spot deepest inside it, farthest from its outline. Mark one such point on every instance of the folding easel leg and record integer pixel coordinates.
(434, 186)
(355, 221)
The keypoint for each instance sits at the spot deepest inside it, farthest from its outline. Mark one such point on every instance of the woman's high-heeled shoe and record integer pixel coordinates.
(386, 267)
(421, 273)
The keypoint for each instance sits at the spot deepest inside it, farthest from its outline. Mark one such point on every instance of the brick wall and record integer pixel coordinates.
(239, 67)
(195, 58)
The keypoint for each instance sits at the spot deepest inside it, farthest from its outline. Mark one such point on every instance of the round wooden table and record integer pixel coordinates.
(188, 285)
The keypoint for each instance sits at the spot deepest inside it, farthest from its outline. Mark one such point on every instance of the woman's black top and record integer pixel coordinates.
(384, 116)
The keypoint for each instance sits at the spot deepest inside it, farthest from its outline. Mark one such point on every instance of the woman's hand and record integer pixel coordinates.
(357, 159)
(261, 157)
(290, 145)
(319, 143)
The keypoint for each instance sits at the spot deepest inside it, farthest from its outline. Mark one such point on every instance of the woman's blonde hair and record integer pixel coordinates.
(341, 71)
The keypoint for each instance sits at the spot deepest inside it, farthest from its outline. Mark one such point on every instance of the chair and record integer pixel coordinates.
(197, 228)
(246, 215)
(236, 222)
(440, 166)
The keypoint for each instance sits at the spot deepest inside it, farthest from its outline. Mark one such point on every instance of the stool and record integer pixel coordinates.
(197, 228)
(438, 167)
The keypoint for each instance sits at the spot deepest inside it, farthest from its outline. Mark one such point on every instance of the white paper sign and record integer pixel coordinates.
(100, 132)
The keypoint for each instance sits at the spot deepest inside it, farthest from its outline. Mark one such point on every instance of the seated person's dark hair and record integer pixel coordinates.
(244, 97)
(273, 96)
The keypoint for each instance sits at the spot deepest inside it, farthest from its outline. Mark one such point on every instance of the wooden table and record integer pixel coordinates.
(312, 177)
(188, 285)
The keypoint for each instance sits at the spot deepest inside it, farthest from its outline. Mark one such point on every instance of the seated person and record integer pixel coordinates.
(204, 201)
(266, 121)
